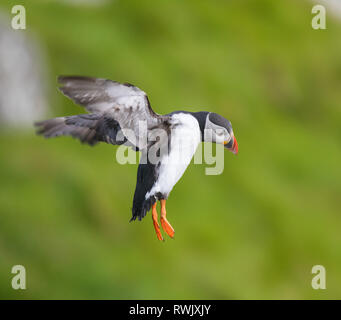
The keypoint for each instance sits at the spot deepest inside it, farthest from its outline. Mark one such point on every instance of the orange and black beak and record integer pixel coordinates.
(232, 145)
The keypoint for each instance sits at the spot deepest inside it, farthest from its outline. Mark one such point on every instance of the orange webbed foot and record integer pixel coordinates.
(155, 223)
(166, 226)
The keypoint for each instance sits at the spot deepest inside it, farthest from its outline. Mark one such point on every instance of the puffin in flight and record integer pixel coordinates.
(120, 114)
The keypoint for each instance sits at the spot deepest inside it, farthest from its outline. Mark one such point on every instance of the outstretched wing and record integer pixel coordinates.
(124, 103)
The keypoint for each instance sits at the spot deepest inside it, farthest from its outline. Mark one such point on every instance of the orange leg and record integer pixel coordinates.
(155, 222)
(164, 222)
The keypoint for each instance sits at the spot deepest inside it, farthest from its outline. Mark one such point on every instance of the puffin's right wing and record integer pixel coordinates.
(124, 103)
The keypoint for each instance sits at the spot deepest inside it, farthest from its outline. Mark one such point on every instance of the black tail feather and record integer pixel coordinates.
(146, 177)
(140, 211)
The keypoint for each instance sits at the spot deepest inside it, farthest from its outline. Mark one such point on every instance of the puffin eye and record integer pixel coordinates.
(219, 132)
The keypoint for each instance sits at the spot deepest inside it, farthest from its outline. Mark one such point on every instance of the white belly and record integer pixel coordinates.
(185, 138)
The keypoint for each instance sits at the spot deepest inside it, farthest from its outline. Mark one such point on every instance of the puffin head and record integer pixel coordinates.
(219, 130)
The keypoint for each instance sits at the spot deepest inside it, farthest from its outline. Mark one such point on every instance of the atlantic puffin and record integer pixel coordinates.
(115, 114)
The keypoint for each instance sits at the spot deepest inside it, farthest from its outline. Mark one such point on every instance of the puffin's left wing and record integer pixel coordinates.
(124, 103)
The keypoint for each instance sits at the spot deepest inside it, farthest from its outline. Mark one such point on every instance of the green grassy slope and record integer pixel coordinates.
(253, 232)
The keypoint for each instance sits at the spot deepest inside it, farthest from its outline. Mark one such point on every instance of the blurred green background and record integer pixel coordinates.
(253, 232)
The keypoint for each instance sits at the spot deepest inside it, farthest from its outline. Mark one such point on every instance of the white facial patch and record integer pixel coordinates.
(215, 133)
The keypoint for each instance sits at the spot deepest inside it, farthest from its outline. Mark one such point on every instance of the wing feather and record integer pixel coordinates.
(124, 103)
